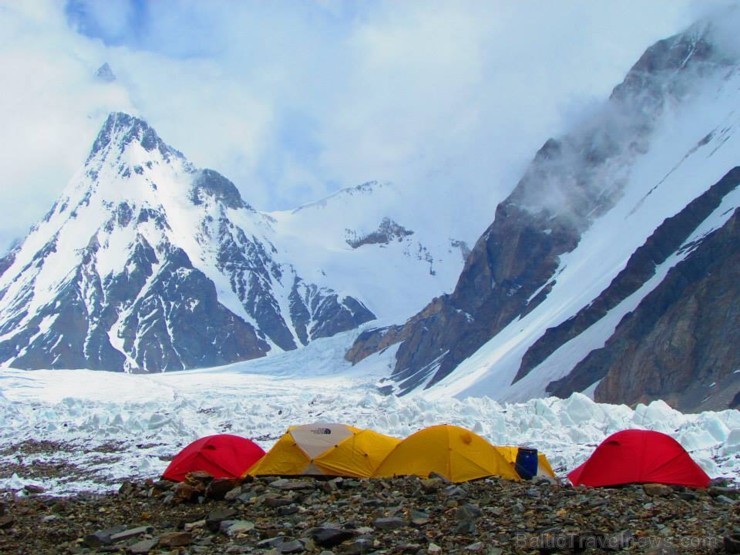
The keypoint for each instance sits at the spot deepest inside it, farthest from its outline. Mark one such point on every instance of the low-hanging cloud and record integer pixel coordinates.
(293, 100)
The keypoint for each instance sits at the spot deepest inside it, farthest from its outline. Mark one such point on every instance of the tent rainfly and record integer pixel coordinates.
(639, 456)
(220, 455)
(451, 451)
(326, 449)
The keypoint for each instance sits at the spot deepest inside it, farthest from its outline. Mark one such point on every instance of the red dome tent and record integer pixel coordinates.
(221, 456)
(639, 456)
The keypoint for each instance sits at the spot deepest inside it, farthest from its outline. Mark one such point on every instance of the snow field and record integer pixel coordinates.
(117, 427)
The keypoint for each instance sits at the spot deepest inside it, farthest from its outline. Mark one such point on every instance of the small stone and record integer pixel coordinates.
(657, 490)
(714, 491)
(198, 477)
(175, 539)
(389, 523)
(102, 537)
(219, 487)
(233, 494)
(184, 493)
(271, 542)
(419, 518)
(454, 492)
(440, 477)
(215, 517)
(275, 501)
(143, 547)
(433, 548)
(235, 527)
(293, 546)
(292, 485)
(359, 547)
(33, 489)
(466, 516)
(330, 537)
(432, 485)
(188, 526)
(131, 533)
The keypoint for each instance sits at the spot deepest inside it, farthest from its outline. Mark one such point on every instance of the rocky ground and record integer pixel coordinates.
(353, 516)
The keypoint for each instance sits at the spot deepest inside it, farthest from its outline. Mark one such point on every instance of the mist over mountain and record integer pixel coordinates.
(603, 216)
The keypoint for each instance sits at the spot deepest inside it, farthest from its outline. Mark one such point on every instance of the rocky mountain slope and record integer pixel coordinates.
(595, 224)
(147, 263)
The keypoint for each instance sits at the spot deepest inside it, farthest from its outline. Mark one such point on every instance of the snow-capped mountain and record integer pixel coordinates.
(147, 263)
(612, 267)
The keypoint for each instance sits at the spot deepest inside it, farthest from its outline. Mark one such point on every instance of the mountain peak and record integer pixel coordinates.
(105, 74)
(121, 129)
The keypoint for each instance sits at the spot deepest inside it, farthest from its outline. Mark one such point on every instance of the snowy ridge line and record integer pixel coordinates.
(106, 429)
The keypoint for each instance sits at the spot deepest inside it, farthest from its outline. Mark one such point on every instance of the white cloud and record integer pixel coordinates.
(292, 99)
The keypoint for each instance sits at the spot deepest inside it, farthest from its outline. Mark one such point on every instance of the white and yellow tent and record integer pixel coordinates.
(325, 449)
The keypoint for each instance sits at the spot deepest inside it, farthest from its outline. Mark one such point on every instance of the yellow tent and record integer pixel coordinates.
(510, 452)
(325, 450)
(453, 452)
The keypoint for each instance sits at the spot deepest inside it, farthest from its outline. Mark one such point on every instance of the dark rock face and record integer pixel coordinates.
(318, 313)
(639, 269)
(387, 231)
(183, 295)
(570, 182)
(105, 74)
(133, 130)
(209, 182)
(680, 344)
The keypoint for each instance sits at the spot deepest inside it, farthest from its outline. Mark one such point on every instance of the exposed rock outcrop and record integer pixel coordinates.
(664, 242)
(570, 182)
(680, 344)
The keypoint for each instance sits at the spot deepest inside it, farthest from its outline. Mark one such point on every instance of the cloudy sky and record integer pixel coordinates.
(294, 99)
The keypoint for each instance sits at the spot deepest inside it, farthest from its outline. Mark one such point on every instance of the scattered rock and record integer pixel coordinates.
(33, 489)
(329, 536)
(175, 539)
(657, 490)
(293, 485)
(143, 547)
(218, 488)
(217, 516)
(397, 516)
(389, 523)
(102, 537)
